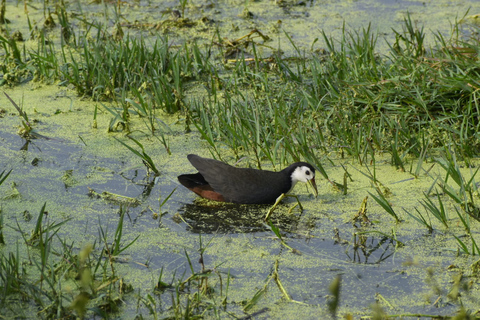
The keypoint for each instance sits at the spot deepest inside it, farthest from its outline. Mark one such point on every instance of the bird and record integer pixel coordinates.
(222, 182)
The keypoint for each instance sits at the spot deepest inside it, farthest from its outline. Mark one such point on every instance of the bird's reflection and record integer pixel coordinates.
(233, 218)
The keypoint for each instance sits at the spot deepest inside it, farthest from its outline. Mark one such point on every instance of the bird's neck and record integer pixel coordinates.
(290, 172)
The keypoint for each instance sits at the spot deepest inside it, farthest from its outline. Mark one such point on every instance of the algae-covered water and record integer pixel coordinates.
(59, 168)
(385, 267)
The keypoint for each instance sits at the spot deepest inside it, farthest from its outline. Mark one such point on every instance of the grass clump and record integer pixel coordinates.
(406, 93)
(279, 109)
(55, 265)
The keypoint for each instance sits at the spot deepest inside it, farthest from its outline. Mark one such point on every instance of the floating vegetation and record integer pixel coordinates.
(417, 103)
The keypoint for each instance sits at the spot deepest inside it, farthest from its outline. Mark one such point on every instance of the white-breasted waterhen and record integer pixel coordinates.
(219, 181)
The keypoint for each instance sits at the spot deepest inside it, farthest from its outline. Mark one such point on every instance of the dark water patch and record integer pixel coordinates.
(232, 218)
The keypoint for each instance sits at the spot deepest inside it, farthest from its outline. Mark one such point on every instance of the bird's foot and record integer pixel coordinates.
(280, 198)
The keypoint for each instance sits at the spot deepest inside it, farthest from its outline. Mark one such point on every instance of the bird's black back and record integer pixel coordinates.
(242, 185)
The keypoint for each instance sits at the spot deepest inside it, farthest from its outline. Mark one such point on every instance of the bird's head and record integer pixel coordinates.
(304, 172)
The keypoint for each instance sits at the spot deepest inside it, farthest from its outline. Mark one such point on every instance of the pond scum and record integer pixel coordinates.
(415, 102)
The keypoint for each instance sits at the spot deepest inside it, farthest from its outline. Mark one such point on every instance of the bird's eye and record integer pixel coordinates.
(307, 172)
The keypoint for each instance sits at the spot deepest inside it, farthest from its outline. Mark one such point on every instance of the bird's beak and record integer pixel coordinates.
(314, 186)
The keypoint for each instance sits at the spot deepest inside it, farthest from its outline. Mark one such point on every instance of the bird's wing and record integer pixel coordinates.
(240, 185)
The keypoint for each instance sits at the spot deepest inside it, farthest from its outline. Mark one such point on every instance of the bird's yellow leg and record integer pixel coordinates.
(272, 208)
(293, 207)
(280, 198)
(298, 203)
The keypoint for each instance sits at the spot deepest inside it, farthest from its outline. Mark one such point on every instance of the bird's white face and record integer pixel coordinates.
(302, 174)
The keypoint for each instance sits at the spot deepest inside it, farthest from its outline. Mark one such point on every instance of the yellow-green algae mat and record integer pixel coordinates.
(401, 267)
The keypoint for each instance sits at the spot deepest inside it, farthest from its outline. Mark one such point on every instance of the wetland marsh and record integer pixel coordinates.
(102, 101)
